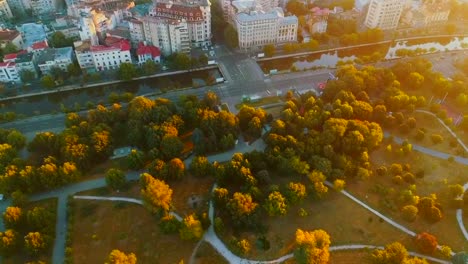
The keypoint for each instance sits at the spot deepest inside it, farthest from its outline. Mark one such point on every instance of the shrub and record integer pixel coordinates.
(396, 169)
(398, 180)
(420, 134)
(243, 246)
(382, 170)
(456, 190)
(446, 251)
(339, 185)
(409, 213)
(436, 138)
(169, 224)
(408, 177)
(426, 243)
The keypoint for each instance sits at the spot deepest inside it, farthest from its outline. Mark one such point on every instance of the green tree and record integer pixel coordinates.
(41, 219)
(230, 37)
(48, 82)
(10, 48)
(269, 50)
(135, 159)
(191, 228)
(115, 179)
(35, 243)
(127, 71)
(201, 167)
(171, 147)
(16, 139)
(182, 61)
(312, 247)
(275, 204)
(27, 75)
(74, 69)
(118, 257)
(150, 67)
(295, 192)
(59, 40)
(156, 194)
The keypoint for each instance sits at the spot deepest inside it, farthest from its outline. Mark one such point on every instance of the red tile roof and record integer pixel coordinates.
(12, 56)
(190, 13)
(115, 44)
(7, 64)
(8, 35)
(148, 49)
(40, 45)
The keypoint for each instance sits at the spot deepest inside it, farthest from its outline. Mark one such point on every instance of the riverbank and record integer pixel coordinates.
(79, 87)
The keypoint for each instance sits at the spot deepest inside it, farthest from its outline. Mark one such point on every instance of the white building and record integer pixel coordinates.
(54, 58)
(83, 54)
(110, 57)
(148, 52)
(258, 28)
(88, 30)
(265, 5)
(196, 13)
(137, 32)
(43, 7)
(8, 72)
(5, 11)
(384, 14)
(169, 36)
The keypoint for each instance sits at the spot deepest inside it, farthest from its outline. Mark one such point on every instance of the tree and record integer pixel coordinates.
(276, 204)
(127, 71)
(394, 253)
(242, 207)
(313, 247)
(203, 60)
(295, 192)
(13, 217)
(48, 82)
(426, 243)
(230, 37)
(135, 159)
(10, 48)
(296, 7)
(456, 190)
(74, 69)
(181, 61)
(191, 228)
(201, 167)
(156, 194)
(269, 50)
(35, 243)
(59, 40)
(8, 242)
(115, 179)
(171, 147)
(150, 67)
(339, 184)
(415, 80)
(176, 169)
(409, 212)
(118, 257)
(40, 219)
(16, 139)
(27, 75)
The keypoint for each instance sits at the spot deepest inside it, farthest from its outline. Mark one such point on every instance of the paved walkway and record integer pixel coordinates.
(460, 215)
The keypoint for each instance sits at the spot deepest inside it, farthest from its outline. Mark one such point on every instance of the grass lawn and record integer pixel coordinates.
(345, 222)
(262, 101)
(206, 254)
(101, 226)
(22, 257)
(274, 111)
(438, 175)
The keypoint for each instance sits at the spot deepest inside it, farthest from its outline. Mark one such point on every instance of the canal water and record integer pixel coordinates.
(51, 103)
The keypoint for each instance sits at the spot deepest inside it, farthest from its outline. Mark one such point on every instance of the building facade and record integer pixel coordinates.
(256, 29)
(196, 13)
(11, 36)
(8, 72)
(42, 7)
(148, 52)
(137, 32)
(110, 57)
(54, 58)
(5, 11)
(17, 7)
(384, 14)
(168, 35)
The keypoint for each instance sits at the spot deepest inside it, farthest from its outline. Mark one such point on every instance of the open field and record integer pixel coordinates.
(22, 257)
(206, 254)
(439, 174)
(101, 226)
(345, 222)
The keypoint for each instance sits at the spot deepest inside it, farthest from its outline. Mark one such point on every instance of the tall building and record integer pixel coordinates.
(196, 13)
(42, 7)
(256, 29)
(17, 7)
(5, 11)
(384, 14)
(168, 35)
(54, 58)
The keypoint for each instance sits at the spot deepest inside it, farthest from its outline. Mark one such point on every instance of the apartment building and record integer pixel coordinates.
(42, 7)
(168, 35)
(110, 57)
(17, 7)
(384, 14)
(54, 58)
(137, 32)
(11, 36)
(83, 55)
(8, 72)
(148, 52)
(259, 28)
(5, 11)
(196, 14)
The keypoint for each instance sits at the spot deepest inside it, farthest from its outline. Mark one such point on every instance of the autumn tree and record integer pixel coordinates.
(251, 120)
(295, 192)
(426, 243)
(275, 204)
(242, 208)
(317, 178)
(269, 50)
(201, 167)
(118, 257)
(175, 169)
(156, 194)
(159, 169)
(35, 243)
(312, 247)
(13, 217)
(394, 253)
(8, 242)
(191, 228)
(115, 179)
(409, 212)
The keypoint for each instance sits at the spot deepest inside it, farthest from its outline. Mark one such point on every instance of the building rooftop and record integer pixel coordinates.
(40, 45)
(148, 49)
(82, 46)
(13, 56)
(8, 35)
(8, 64)
(141, 10)
(24, 57)
(114, 44)
(32, 33)
(54, 54)
(178, 10)
(275, 13)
